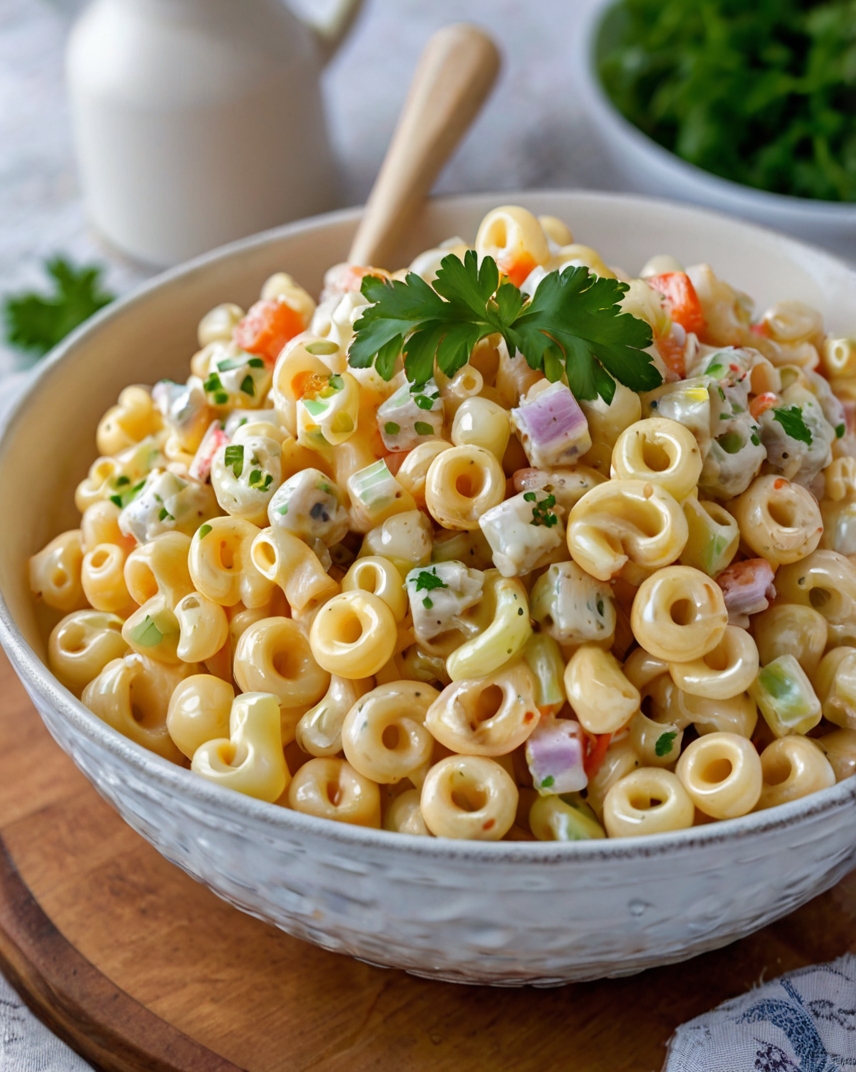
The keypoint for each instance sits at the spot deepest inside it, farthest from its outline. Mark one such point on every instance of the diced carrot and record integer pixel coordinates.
(518, 269)
(760, 329)
(596, 753)
(267, 327)
(761, 403)
(682, 301)
(672, 351)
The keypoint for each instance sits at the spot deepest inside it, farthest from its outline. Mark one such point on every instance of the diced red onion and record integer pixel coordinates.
(551, 423)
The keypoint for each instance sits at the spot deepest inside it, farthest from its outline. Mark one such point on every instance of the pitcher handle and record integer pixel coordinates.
(331, 33)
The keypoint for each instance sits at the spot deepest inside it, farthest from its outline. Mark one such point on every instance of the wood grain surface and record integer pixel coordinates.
(140, 968)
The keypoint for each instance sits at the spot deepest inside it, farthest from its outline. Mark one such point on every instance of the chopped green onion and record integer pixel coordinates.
(234, 459)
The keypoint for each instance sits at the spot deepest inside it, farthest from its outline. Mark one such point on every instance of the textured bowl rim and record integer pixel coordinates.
(808, 209)
(233, 806)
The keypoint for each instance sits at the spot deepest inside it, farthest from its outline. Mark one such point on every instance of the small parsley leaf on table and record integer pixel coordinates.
(37, 322)
(573, 325)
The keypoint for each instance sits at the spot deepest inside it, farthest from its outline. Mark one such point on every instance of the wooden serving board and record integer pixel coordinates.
(140, 968)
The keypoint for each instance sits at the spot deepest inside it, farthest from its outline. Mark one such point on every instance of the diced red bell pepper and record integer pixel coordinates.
(518, 269)
(682, 301)
(761, 403)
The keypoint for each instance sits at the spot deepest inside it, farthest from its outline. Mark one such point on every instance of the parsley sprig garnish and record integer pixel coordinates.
(664, 743)
(793, 422)
(37, 322)
(572, 325)
(428, 581)
(542, 511)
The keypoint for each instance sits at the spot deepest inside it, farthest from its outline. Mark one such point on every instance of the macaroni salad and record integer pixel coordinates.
(500, 597)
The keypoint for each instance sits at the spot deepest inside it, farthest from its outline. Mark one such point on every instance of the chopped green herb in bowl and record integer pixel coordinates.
(760, 93)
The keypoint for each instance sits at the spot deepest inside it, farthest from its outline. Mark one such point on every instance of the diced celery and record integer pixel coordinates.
(554, 819)
(544, 657)
(786, 697)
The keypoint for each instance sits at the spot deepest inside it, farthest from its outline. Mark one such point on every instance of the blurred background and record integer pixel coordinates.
(202, 123)
(532, 132)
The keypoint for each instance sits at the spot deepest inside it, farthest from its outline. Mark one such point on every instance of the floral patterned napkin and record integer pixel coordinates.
(802, 1022)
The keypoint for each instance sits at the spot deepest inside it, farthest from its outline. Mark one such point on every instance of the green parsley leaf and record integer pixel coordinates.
(121, 481)
(234, 459)
(165, 515)
(212, 383)
(221, 398)
(391, 428)
(37, 322)
(575, 317)
(664, 743)
(547, 782)
(793, 422)
(840, 429)
(248, 386)
(572, 325)
(256, 362)
(427, 603)
(423, 428)
(204, 530)
(542, 513)
(754, 440)
(426, 581)
(117, 499)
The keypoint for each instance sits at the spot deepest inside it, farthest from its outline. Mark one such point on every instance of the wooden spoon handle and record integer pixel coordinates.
(454, 76)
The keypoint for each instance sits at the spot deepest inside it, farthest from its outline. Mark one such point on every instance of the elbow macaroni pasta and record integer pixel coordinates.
(476, 606)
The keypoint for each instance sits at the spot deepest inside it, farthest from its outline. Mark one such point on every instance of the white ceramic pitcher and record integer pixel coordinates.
(200, 121)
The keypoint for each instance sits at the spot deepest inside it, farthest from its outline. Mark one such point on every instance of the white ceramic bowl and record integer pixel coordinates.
(505, 913)
(646, 166)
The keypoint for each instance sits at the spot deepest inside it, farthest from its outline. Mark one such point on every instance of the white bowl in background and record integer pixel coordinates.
(646, 166)
(504, 913)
